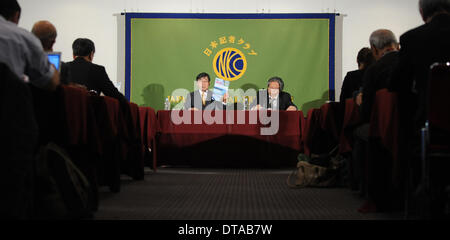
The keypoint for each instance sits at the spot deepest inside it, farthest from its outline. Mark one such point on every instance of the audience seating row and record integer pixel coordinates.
(103, 136)
(107, 138)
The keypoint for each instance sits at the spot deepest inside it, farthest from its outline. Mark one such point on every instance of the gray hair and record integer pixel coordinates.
(278, 80)
(382, 38)
(430, 7)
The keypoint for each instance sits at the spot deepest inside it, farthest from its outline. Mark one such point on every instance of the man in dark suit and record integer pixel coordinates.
(202, 99)
(274, 97)
(420, 48)
(384, 47)
(82, 71)
(353, 80)
(385, 50)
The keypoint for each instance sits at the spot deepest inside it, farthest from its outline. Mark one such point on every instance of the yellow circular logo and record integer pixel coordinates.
(229, 64)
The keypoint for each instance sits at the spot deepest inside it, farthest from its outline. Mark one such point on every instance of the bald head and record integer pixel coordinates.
(46, 33)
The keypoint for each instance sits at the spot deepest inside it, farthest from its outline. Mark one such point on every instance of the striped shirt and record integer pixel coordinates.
(24, 55)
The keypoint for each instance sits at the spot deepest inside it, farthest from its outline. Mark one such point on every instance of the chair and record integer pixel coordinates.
(113, 148)
(384, 171)
(108, 169)
(435, 134)
(329, 124)
(148, 130)
(128, 125)
(81, 138)
(135, 161)
(311, 126)
(64, 117)
(332, 118)
(351, 119)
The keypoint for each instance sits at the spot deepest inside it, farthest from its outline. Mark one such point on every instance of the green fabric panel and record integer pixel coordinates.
(167, 54)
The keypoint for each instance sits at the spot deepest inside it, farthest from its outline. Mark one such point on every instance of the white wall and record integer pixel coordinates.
(94, 19)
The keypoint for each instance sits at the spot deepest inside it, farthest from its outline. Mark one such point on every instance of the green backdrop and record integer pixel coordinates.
(166, 52)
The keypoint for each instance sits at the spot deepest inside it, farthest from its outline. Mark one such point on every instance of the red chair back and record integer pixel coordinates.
(148, 124)
(351, 118)
(438, 104)
(76, 112)
(112, 106)
(312, 123)
(384, 119)
(331, 118)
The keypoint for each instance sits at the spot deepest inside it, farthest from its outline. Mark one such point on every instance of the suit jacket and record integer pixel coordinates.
(194, 99)
(352, 82)
(284, 100)
(420, 48)
(375, 78)
(91, 75)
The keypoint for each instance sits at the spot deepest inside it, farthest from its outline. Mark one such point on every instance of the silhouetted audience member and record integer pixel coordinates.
(353, 80)
(83, 72)
(22, 59)
(420, 48)
(46, 32)
(384, 47)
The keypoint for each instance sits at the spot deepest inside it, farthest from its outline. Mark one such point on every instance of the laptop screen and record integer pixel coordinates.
(55, 59)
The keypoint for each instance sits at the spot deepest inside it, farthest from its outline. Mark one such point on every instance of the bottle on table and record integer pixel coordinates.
(167, 104)
(246, 106)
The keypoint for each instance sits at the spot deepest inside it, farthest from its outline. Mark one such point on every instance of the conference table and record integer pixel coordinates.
(228, 138)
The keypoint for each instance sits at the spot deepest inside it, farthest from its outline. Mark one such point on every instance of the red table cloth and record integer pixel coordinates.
(244, 126)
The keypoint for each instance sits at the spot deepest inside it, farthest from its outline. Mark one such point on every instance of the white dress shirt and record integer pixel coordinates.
(274, 102)
(205, 96)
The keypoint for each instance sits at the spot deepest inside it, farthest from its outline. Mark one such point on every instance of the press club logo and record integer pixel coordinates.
(229, 63)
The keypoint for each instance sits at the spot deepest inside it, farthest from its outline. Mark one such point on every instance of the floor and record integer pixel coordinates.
(228, 194)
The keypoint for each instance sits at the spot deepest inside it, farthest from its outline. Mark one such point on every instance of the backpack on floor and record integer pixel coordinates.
(316, 171)
(62, 191)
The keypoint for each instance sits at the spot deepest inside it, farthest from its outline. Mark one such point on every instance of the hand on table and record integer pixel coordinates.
(291, 108)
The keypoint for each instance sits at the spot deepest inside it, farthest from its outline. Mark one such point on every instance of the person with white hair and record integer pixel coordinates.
(384, 47)
(274, 97)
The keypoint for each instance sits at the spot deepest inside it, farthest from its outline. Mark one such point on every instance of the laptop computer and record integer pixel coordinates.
(55, 59)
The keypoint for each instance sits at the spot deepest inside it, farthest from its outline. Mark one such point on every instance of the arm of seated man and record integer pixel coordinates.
(54, 81)
(40, 71)
(358, 99)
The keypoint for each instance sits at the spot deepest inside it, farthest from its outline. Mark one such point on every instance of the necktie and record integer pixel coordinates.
(203, 98)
